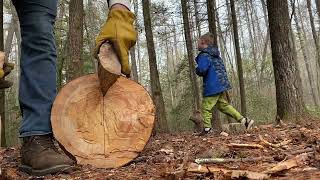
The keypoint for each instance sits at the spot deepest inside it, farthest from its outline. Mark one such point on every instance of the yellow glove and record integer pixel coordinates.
(119, 30)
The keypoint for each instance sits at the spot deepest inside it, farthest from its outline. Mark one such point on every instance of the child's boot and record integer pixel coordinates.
(205, 131)
(247, 122)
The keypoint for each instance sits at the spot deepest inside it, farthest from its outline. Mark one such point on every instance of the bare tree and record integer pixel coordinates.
(196, 14)
(287, 78)
(161, 124)
(75, 41)
(305, 53)
(239, 60)
(211, 9)
(192, 75)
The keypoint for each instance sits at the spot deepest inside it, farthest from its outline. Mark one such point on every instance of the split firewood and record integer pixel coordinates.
(288, 164)
(109, 67)
(229, 160)
(268, 144)
(195, 168)
(252, 146)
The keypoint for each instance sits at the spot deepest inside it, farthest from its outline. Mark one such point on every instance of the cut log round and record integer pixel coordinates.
(104, 131)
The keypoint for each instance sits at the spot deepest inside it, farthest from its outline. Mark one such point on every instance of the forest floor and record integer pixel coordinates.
(287, 152)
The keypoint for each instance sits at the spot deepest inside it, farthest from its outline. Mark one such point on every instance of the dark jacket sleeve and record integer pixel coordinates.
(204, 64)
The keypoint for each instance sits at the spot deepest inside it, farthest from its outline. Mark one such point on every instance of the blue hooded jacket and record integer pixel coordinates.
(211, 68)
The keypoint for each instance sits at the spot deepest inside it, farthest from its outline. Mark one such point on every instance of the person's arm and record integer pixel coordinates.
(203, 65)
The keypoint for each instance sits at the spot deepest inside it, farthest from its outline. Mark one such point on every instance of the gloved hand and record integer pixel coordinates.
(119, 30)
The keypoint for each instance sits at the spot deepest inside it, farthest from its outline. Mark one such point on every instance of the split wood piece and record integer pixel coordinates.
(195, 168)
(104, 131)
(228, 160)
(109, 67)
(268, 144)
(253, 146)
(288, 164)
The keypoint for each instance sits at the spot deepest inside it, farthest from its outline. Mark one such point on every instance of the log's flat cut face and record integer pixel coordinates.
(107, 131)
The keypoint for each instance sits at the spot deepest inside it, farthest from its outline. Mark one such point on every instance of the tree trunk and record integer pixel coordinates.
(267, 40)
(289, 104)
(2, 91)
(161, 123)
(139, 59)
(211, 9)
(134, 70)
(196, 13)
(305, 53)
(318, 7)
(192, 76)
(315, 38)
(252, 41)
(75, 64)
(169, 70)
(10, 35)
(134, 67)
(175, 44)
(239, 61)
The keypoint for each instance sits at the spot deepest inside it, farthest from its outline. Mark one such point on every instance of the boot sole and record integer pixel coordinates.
(43, 172)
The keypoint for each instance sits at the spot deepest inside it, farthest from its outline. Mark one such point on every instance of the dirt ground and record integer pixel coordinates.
(173, 157)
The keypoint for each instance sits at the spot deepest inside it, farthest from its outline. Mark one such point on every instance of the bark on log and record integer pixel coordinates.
(104, 131)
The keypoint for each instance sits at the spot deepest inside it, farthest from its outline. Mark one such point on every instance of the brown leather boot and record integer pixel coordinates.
(41, 157)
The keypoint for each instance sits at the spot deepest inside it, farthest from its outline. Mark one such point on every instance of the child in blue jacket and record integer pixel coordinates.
(215, 83)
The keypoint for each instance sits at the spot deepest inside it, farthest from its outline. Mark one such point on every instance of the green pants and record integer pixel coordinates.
(219, 102)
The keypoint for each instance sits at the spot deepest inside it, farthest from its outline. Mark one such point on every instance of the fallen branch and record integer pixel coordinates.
(301, 151)
(228, 160)
(253, 146)
(268, 144)
(195, 168)
(288, 164)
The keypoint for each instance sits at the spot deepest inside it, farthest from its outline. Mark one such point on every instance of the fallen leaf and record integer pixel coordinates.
(249, 174)
(224, 134)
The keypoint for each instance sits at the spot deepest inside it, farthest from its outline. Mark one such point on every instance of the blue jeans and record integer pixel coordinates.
(38, 65)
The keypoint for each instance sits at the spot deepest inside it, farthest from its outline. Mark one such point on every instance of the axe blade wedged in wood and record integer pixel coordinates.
(109, 67)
